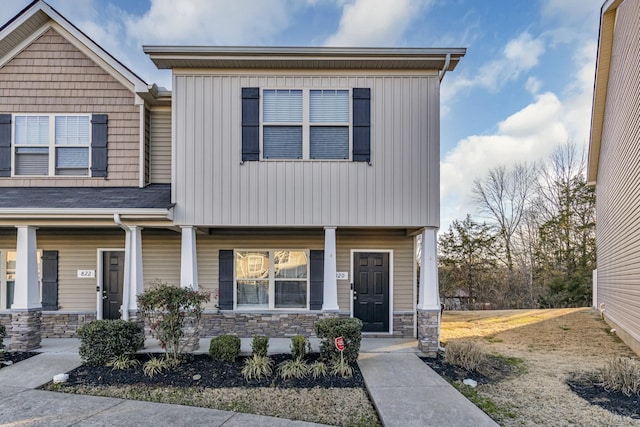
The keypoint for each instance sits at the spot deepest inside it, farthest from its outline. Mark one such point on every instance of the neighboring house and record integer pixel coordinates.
(614, 168)
(291, 183)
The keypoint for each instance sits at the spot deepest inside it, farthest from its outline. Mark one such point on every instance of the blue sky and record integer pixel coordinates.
(524, 87)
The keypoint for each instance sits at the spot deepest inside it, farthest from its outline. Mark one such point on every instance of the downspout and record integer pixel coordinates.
(447, 61)
(127, 267)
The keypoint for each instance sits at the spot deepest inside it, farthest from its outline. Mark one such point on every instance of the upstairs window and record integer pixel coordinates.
(309, 124)
(52, 145)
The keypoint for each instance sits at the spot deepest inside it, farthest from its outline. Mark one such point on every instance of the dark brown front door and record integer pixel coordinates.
(112, 283)
(371, 290)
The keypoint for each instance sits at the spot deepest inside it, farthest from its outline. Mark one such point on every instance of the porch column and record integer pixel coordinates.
(429, 296)
(26, 309)
(136, 272)
(189, 258)
(330, 289)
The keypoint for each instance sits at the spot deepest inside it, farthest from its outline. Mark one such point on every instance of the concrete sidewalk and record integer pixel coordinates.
(405, 391)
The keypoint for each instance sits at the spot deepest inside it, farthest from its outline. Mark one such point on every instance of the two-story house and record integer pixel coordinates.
(291, 183)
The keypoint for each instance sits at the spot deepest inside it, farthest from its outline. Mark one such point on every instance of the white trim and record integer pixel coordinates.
(391, 285)
(330, 288)
(99, 277)
(27, 290)
(429, 298)
(188, 258)
(86, 212)
(415, 287)
(141, 150)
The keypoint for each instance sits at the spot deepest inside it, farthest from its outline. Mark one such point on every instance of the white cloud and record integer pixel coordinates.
(528, 135)
(375, 22)
(220, 22)
(533, 85)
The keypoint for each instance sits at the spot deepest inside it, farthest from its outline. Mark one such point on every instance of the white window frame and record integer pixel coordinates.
(51, 146)
(306, 123)
(271, 280)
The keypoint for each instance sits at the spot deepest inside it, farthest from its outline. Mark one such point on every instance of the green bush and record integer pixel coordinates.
(299, 346)
(349, 328)
(295, 368)
(167, 309)
(256, 367)
(225, 347)
(260, 345)
(103, 340)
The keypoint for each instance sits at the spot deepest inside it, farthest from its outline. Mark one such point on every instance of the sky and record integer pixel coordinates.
(524, 87)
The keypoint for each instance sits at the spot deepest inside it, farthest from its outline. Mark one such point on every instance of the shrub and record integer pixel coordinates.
(122, 362)
(167, 309)
(257, 367)
(622, 374)
(225, 347)
(341, 368)
(103, 340)
(296, 368)
(299, 346)
(260, 345)
(349, 328)
(154, 366)
(318, 369)
(466, 354)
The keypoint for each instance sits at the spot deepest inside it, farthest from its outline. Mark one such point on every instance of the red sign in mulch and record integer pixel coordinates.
(340, 344)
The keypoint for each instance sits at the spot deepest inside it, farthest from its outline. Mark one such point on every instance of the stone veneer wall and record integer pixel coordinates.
(274, 325)
(428, 333)
(5, 320)
(25, 330)
(63, 325)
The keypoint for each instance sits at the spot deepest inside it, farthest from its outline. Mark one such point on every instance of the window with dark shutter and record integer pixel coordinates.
(225, 280)
(99, 133)
(5, 145)
(250, 124)
(316, 273)
(49, 280)
(361, 125)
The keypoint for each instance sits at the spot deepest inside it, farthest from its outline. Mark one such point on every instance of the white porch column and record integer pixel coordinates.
(429, 296)
(136, 272)
(27, 292)
(330, 291)
(189, 258)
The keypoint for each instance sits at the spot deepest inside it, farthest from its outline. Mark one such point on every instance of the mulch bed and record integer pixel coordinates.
(212, 374)
(15, 357)
(613, 401)
(493, 370)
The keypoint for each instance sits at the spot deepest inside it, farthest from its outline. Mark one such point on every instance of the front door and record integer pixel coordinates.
(112, 283)
(371, 290)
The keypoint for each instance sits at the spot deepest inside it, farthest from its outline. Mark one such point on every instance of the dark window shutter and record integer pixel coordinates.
(316, 273)
(5, 145)
(49, 280)
(250, 124)
(99, 144)
(225, 280)
(361, 125)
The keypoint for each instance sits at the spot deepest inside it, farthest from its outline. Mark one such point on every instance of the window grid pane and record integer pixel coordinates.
(282, 142)
(72, 130)
(282, 106)
(32, 130)
(329, 106)
(32, 161)
(290, 294)
(329, 142)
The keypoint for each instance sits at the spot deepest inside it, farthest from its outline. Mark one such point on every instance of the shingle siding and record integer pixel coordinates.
(618, 182)
(53, 76)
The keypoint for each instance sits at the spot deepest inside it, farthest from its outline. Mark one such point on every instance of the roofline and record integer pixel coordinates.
(140, 86)
(603, 64)
(159, 212)
(231, 55)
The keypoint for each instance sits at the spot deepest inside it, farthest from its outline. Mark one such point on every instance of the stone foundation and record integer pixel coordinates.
(63, 325)
(273, 325)
(5, 320)
(428, 333)
(25, 330)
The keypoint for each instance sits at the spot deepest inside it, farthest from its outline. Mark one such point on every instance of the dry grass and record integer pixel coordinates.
(312, 405)
(465, 353)
(554, 344)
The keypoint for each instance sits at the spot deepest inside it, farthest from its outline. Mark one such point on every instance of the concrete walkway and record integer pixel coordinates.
(405, 391)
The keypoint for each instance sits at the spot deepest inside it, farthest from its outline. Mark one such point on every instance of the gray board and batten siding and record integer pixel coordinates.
(618, 179)
(399, 188)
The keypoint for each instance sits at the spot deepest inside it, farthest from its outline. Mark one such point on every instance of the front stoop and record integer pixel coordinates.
(428, 332)
(25, 329)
